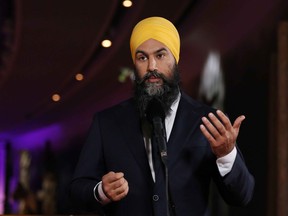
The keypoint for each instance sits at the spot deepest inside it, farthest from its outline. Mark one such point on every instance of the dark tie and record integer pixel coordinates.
(160, 190)
(160, 202)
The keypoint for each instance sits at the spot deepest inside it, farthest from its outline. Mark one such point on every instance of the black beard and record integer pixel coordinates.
(166, 94)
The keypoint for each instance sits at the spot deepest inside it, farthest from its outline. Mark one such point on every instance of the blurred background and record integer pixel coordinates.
(61, 61)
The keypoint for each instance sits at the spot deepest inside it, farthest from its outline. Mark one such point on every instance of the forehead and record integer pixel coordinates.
(152, 45)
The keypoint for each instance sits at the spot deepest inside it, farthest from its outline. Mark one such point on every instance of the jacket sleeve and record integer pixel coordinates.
(88, 172)
(237, 187)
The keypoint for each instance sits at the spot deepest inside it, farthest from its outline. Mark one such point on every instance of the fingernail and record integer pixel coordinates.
(219, 112)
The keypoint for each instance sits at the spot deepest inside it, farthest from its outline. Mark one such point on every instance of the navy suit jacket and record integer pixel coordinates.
(115, 143)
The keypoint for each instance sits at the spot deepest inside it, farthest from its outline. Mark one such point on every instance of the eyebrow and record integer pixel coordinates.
(157, 51)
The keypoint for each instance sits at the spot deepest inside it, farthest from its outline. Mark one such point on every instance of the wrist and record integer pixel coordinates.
(99, 194)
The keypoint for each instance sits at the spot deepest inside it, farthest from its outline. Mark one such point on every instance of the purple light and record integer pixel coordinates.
(37, 138)
(2, 176)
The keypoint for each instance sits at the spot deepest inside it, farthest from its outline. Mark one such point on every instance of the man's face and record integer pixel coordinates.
(157, 76)
(153, 56)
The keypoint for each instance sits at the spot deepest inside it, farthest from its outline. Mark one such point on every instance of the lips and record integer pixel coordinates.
(153, 79)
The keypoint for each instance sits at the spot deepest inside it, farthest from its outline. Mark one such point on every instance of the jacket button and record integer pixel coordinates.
(155, 198)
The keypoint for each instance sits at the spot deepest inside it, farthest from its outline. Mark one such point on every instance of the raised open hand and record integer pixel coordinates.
(220, 133)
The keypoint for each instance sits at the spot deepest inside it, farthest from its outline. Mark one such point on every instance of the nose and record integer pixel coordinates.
(152, 64)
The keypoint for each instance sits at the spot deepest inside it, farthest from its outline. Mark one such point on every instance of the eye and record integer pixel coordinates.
(141, 57)
(160, 55)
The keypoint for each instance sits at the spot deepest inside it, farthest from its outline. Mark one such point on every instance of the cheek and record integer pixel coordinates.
(167, 71)
(141, 71)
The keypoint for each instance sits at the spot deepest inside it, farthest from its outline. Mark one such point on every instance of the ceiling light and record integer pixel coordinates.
(127, 3)
(56, 97)
(79, 77)
(106, 43)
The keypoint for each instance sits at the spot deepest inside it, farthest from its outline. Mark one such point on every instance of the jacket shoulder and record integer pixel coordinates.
(123, 106)
(197, 106)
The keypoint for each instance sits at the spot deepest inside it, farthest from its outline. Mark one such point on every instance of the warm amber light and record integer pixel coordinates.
(79, 77)
(56, 97)
(127, 3)
(106, 43)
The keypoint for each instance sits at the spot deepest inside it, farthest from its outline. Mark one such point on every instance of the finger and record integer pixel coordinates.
(119, 175)
(112, 176)
(214, 128)
(207, 134)
(225, 120)
(122, 188)
(238, 121)
(118, 183)
(217, 123)
(113, 189)
(120, 192)
(108, 177)
(120, 196)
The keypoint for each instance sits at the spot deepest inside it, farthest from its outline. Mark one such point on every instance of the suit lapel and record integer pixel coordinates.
(186, 122)
(130, 125)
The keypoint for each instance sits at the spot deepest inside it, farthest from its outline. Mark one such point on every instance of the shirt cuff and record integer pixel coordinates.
(99, 194)
(225, 163)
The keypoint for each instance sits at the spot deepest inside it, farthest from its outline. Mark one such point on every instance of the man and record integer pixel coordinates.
(117, 172)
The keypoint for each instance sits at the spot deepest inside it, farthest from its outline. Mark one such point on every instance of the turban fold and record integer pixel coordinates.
(157, 28)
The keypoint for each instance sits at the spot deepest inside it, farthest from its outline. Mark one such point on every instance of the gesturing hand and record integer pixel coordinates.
(115, 186)
(221, 135)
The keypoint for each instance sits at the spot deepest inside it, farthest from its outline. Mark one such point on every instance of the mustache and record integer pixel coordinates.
(149, 74)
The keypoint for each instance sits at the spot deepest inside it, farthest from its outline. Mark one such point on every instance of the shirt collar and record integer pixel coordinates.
(175, 104)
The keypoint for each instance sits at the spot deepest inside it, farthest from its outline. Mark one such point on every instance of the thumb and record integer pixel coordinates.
(238, 121)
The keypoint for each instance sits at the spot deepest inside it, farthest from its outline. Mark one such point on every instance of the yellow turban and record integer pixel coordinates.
(159, 29)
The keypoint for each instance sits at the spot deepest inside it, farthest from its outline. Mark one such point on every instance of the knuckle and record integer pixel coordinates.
(109, 195)
(121, 181)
